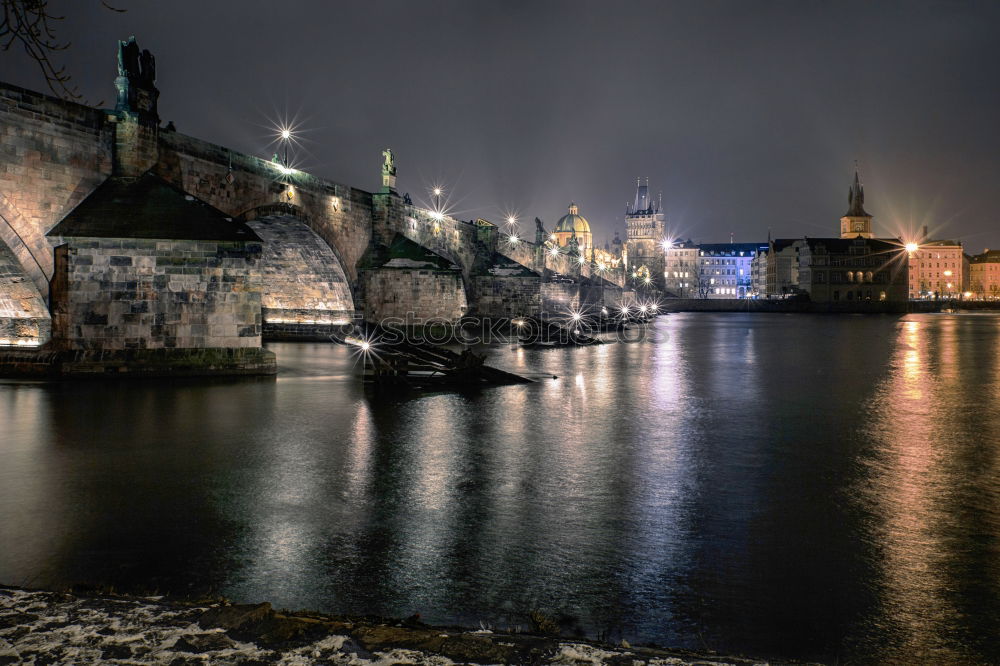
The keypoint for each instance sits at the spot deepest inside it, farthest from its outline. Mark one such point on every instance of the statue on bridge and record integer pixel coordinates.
(135, 82)
(128, 59)
(388, 163)
(573, 245)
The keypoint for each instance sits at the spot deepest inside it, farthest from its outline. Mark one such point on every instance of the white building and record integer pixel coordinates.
(681, 269)
(724, 269)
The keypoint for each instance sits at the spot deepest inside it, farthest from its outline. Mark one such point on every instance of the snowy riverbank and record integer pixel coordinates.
(48, 627)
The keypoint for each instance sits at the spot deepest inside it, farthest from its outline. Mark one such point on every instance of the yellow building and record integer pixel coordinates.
(984, 275)
(935, 269)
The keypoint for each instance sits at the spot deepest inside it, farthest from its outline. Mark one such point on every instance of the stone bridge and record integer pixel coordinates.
(330, 250)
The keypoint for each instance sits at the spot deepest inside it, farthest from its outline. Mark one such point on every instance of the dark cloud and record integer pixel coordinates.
(748, 115)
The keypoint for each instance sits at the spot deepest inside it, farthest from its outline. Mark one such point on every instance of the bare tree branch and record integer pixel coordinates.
(29, 23)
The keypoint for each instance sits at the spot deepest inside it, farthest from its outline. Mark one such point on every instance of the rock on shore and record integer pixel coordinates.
(56, 628)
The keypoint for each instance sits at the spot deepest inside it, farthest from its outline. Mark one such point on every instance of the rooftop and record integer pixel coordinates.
(403, 253)
(149, 207)
(731, 249)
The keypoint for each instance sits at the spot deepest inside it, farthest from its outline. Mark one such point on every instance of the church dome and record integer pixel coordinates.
(573, 222)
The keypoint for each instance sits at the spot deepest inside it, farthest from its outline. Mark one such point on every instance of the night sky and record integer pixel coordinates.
(747, 115)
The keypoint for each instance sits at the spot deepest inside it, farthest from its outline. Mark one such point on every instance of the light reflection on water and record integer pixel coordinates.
(798, 486)
(932, 485)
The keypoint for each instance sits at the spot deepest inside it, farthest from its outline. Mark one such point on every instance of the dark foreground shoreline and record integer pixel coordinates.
(43, 627)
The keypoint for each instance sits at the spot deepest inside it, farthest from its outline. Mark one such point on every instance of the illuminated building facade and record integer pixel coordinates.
(855, 267)
(984, 275)
(852, 269)
(782, 267)
(724, 269)
(758, 272)
(680, 276)
(936, 270)
(645, 231)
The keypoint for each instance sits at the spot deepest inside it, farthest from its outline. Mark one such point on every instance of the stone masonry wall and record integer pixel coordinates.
(111, 294)
(24, 317)
(507, 297)
(302, 278)
(339, 214)
(52, 154)
(414, 296)
(560, 298)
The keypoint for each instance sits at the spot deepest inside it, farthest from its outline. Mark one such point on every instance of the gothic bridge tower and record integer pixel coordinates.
(645, 230)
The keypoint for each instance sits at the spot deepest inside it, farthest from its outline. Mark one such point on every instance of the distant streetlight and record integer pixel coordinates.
(286, 138)
(912, 247)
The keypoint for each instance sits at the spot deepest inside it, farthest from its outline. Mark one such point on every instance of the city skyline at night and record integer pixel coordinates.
(747, 118)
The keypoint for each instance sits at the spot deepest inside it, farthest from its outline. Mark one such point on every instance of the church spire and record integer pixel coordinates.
(856, 198)
(856, 222)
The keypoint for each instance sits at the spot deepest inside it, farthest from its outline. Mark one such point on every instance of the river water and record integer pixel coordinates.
(812, 487)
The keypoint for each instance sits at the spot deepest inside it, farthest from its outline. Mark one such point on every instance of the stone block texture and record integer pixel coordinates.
(507, 297)
(414, 297)
(236, 183)
(302, 277)
(111, 294)
(24, 317)
(52, 154)
(560, 298)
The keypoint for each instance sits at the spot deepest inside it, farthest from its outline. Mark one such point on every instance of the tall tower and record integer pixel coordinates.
(645, 228)
(856, 222)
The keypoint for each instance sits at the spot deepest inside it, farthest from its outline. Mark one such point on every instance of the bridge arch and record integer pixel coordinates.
(27, 244)
(304, 280)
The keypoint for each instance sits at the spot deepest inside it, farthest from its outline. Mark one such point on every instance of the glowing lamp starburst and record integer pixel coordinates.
(912, 247)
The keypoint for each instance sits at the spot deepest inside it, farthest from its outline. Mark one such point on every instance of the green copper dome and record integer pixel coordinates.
(573, 222)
